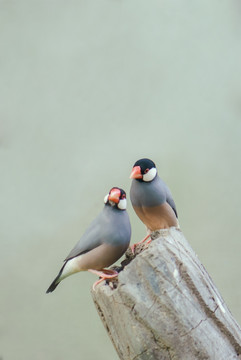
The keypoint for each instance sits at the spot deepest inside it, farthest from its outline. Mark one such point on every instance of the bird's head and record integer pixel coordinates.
(144, 170)
(116, 198)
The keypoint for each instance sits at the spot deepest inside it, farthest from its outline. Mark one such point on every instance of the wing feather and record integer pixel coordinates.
(92, 237)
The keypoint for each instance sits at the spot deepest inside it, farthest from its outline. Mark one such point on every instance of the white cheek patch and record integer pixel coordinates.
(149, 176)
(106, 198)
(122, 204)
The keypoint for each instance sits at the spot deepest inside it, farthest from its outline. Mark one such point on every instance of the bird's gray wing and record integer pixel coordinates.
(164, 191)
(93, 237)
(170, 200)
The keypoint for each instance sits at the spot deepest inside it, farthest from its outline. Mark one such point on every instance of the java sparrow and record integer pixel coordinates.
(151, 198)
(103, 243)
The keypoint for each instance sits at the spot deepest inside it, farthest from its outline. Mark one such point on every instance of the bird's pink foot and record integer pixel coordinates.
(148, 242)
(103, 274)
(140, 242)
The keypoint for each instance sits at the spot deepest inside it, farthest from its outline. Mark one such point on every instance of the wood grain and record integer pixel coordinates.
(165, 306)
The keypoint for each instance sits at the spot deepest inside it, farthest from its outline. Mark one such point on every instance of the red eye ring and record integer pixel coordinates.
(146, 171)
(123, 196)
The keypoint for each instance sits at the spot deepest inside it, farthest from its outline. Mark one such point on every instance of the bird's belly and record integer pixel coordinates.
(157, 217)
(100, 257)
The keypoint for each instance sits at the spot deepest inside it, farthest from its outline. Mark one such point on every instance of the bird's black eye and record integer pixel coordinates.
(146, 171)
(123, 196)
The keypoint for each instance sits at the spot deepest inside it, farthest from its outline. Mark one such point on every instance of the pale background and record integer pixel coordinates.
(88, 88)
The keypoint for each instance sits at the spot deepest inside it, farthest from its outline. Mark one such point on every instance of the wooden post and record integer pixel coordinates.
(165, 306)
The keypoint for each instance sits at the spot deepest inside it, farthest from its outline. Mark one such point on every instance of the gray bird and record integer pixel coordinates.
(151, 198)
(103, 243)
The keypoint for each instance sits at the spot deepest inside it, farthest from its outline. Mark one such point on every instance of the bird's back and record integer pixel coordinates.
(111, 226)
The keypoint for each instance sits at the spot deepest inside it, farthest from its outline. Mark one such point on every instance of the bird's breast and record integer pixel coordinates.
(157, 217)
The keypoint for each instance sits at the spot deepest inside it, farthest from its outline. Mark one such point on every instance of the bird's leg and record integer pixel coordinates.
(140, 242)
(149, 241)
(103, 274)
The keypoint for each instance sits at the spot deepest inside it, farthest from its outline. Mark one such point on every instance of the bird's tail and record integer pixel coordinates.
(53, 286)
(56, 281)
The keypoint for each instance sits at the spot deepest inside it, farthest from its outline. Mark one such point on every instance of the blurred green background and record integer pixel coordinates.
(87, 88)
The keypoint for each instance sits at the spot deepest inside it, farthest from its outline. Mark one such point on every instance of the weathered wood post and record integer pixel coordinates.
(165, 306)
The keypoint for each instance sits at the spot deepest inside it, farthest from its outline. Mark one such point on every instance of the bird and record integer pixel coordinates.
(151, 198)
(104, 242)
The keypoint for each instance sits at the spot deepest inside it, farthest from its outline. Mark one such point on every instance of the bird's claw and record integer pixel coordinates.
(104, 275)
(140, 242)
(133, 247)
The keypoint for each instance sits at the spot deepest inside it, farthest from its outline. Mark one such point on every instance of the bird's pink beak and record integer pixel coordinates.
(115, 195)
(136, 173)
